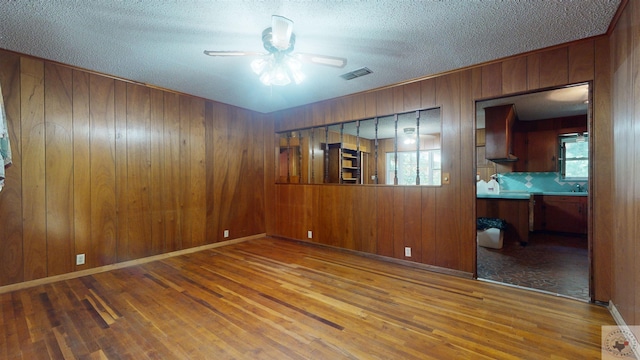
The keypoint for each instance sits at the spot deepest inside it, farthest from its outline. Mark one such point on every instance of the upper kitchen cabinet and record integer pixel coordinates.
(499, 121)
(522, 131)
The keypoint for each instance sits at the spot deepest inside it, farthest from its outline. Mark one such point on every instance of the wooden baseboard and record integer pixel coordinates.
(75, 274)
(623, 325)
(412, 264)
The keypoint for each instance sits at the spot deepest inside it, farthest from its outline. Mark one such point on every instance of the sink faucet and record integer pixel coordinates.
(578, 188)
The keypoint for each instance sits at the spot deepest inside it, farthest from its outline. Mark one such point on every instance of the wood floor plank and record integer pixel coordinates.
(275, 299)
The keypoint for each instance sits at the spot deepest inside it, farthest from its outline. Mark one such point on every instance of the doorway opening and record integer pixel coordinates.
(542, 193)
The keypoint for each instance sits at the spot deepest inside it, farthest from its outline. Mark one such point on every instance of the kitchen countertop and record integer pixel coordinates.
(521, 195)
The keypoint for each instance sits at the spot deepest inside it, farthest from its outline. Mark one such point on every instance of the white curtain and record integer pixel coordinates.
(5, 147)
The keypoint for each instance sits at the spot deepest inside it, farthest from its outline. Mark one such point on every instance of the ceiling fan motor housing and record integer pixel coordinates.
(267, 41)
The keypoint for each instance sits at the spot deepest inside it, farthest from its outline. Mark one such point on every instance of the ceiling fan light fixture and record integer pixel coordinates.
(281, 30)
(258, 65)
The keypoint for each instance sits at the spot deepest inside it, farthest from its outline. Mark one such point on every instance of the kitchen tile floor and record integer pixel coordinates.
(555, 263)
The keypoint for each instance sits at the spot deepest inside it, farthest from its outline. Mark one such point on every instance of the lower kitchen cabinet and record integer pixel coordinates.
(565, 214)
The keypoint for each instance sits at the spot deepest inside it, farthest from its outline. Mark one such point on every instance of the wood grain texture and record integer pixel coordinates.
(58, 112)
(449, 224)
(33, 168)
(625, 112)
(104, 218)
(81, 168)
(601, 216)
(492, 80)
(412, 96)
(581, 64)
(274, 299)
(554, 67)
(11, 256)
(172, 196)
(157, 186)
(118, 171)
(137, 185)
(514, 75)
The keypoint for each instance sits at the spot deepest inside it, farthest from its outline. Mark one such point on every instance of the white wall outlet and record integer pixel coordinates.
(407, 251)
(226, 233)
(310, 234)
(80, 259)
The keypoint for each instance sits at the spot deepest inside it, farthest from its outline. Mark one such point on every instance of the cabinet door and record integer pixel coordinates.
(565, 214)
(542, 152)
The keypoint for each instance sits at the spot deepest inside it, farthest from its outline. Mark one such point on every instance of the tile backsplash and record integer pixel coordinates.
(536, 182)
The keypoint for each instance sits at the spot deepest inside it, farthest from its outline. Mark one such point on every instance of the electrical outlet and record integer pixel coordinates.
(226, 233)
(310, 234)
(407, 251)
(80, 259)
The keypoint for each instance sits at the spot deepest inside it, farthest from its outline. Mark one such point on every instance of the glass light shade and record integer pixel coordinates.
(279, 71)
(258, 65)
(279, 75)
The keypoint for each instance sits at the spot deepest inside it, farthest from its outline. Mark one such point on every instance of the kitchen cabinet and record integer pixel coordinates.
(499, 122)
(514, 211)
(542, 151)
(537, 150)
(565, 214)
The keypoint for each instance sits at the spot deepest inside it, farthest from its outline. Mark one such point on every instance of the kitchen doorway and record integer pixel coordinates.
(542, 190)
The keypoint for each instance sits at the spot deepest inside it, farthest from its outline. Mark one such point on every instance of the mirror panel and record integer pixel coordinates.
(400, 149)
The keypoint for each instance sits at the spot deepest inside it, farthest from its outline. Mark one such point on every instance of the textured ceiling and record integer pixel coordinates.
(161, 42)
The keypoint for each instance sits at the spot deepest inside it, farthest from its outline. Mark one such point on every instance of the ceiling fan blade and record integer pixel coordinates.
(322, 59)
(231, 53)
(281, 30)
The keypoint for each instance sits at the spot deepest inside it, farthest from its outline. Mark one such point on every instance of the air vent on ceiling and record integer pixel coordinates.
(356, 73)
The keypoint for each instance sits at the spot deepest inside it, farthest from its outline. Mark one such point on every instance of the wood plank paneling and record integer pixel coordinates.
(412, 220)
(184, 171)
(412, 96)
(33, 168)
(581, 62)
(12, 255)
(385, 221)
(82, 168)
(533, 71)
(59, 168)
(103, 171)
(121, 170)
(469, 91)
(514, 75)
(625, 95)
(221, 154)
(157, 184)
(492, 80)
(255, 219)
(428, 93)
(429, 213)
(138, 183)
(172, 196)
(370, 105)
(554, 67)
(602, 181)
(357, 104)
(399, 220)
(197, 214)
(117, 171)
(449, 225)
(238, 189)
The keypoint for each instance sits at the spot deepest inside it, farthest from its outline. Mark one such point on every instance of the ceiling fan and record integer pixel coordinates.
(279, 64)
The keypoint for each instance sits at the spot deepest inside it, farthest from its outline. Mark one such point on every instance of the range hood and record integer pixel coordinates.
(499, 122)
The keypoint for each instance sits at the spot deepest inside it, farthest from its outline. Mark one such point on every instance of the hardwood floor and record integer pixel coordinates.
(275, 299)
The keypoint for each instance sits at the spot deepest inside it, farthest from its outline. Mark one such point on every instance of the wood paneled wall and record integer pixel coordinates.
(439, 222)
(119, 171)
(625, 204)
